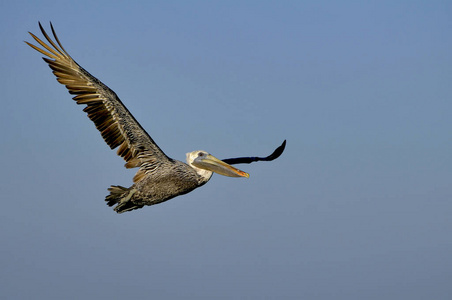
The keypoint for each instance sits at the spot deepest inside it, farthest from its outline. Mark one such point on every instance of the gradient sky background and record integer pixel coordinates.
(358, 207)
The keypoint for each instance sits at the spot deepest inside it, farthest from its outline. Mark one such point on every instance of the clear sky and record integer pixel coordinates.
(358, 207)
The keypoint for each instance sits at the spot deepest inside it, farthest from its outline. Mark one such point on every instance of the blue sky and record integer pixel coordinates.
(358, 207)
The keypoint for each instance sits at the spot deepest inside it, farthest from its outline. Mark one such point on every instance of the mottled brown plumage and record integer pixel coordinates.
(159, 178)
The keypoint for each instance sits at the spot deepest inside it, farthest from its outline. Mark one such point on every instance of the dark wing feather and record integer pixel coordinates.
(247, 160)
(116, 124)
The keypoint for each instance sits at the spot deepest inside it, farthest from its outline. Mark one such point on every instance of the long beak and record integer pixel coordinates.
(213, 164)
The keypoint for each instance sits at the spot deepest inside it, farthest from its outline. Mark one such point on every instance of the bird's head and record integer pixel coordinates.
(205, 163)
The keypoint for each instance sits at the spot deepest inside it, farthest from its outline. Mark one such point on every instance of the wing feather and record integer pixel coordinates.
(116, 124)
(247, 160)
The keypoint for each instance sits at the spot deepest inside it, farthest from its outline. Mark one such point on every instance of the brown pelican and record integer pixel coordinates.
(159, 178)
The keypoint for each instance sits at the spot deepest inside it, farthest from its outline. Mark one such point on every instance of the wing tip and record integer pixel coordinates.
(278, 151)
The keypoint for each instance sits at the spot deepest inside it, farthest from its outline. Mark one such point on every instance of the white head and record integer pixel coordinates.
(205, 163)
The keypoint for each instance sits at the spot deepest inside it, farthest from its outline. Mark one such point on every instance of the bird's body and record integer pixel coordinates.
(159, 178)
(157, 187)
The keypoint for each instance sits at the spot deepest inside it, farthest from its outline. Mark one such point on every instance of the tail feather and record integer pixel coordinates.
(122, 197)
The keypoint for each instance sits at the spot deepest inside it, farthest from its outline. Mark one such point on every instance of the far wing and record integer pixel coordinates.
(247, 160)
(116, 124)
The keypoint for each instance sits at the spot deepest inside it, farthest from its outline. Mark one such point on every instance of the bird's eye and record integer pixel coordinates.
(200, 154)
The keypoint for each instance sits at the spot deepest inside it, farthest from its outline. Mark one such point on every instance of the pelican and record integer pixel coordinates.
(159, 177)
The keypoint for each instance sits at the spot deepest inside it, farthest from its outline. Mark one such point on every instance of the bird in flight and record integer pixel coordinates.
(159, 177)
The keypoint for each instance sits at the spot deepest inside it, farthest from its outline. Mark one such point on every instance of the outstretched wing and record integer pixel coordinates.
(246, 160)
(116, 124)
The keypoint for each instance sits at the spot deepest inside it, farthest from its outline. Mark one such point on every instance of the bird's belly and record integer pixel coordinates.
(155, 190)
